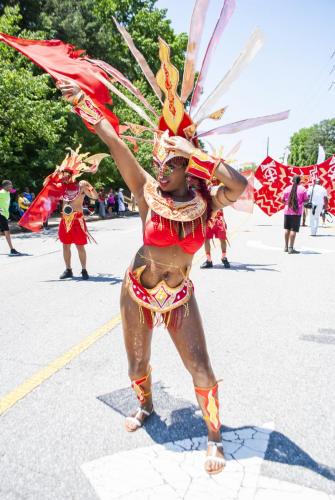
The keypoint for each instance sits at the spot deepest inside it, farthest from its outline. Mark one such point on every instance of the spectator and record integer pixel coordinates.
(110, 202)
(318, 197)
(5, 190)
(14, 212)
(120, 198)
(294, 197)
(102, 203)
(28, 195)
(24, 203)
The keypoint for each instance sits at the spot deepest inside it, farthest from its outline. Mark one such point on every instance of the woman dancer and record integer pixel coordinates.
(157, 282)
(157, 285)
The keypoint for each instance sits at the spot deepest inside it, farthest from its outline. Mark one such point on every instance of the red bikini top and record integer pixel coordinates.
(160, 232)
(174, 223)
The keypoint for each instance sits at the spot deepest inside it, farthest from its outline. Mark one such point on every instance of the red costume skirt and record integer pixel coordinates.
(216, 227)
(73, 229)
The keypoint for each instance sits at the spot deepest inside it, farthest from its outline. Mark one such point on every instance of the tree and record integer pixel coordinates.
(88, 24)
(29, 137)
(304, 143)
(248, 166)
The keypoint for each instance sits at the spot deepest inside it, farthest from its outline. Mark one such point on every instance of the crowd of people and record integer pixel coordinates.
(109, 203)
(113, 202)
(301, 205)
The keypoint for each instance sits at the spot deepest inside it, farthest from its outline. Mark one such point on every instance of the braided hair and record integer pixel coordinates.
(293, 198)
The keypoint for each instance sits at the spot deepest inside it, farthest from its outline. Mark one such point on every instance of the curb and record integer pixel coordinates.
(14, 228)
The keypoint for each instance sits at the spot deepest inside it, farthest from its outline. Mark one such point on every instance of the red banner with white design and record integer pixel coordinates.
(275, 177)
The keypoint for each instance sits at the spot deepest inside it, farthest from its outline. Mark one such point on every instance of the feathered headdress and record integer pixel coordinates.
(73, 166)
(61, 61)
(76, 164)
(174, 118)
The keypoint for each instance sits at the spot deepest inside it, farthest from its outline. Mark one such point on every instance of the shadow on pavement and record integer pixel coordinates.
(319, 339)
(323, 336)
(176, 419)
(25, 235)
(235, 266)
(100, 278)
(310, 252)
(323, 236)
(21, 254)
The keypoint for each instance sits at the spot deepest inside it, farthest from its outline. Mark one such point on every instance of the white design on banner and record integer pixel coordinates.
(313, 175)
(331, 173)
(270, 174)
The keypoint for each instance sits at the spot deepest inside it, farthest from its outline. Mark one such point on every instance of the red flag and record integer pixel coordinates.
(275, 177)
(43, 205)
(63, 61)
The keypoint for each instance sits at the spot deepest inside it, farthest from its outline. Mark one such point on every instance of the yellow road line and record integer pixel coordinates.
(38, 378)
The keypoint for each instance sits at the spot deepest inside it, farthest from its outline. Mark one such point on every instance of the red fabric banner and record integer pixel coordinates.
(43, 205)
(275, 177)
(63, 61)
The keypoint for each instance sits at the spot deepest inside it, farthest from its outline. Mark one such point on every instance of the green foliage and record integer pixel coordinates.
(40, 124)
(248, 166)
(32, 120)
(304, 143)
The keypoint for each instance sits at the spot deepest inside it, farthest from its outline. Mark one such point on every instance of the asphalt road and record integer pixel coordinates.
(270, 325)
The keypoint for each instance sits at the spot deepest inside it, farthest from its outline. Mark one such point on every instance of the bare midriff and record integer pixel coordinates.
(170, 264)
(77, 203)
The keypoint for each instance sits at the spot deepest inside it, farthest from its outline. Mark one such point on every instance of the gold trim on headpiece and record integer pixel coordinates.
(167, 79)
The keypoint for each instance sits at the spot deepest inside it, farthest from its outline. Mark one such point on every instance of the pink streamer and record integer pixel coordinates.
(117, 75)
(194, 39)
(225, 15)
(232, 128)
(140, 59)
(245, 203)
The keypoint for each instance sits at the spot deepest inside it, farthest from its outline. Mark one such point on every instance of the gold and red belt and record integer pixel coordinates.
(162, 298)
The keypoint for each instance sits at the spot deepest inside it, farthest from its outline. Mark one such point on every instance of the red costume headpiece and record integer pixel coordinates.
(73, 166)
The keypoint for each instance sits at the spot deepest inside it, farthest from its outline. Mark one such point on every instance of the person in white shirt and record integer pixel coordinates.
(319, 199)
(121, 204)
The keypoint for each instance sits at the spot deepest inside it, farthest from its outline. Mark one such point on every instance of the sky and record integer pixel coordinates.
(291, 71)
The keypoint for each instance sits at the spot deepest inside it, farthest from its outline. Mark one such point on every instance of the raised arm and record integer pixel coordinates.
(133, 174)
(89, 190)
(234, 185)
(234, 182)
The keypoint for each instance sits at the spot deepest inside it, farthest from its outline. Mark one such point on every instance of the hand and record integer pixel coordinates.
(68, 88)
(179, 145)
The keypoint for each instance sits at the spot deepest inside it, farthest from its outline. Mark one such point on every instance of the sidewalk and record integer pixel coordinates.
(54, 221)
